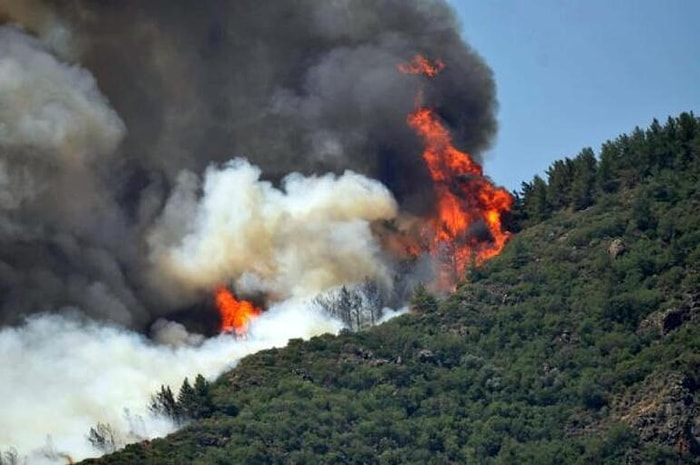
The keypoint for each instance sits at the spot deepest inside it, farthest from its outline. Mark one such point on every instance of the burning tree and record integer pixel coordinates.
(467, 225)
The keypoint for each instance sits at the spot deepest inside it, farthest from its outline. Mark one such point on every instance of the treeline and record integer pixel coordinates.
(193, 402)
(623, 163)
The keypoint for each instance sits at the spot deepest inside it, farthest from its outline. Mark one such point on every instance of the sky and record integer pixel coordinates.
(573, 74)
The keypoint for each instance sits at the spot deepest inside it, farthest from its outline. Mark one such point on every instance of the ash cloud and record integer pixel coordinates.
(110, 108)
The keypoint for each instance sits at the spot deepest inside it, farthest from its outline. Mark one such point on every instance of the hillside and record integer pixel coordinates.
(579, 344)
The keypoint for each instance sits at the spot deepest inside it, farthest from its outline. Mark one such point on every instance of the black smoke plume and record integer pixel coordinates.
(149, 90)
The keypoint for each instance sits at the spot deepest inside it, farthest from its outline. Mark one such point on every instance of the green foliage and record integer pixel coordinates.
(540, 357)
(584, 178)
(192, 403)
(164, 403)
(423, 301)
(623, 163)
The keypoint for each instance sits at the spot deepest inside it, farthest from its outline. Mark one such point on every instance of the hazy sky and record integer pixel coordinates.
(572, 74)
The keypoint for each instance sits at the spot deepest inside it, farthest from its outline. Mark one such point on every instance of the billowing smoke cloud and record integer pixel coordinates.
(119, 200)
(66, 375)
(299, 86)
(62, 234)
(294, 242)
(89, 178)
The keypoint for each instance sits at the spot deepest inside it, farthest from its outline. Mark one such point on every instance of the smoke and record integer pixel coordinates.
(119, 201)
(311, 234)
(67, 374)
(302, 86)
(62, 233)
(110, 113)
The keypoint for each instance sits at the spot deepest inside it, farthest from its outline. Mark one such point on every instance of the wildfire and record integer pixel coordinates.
(467, 224)
(421, 65)
(236, 314)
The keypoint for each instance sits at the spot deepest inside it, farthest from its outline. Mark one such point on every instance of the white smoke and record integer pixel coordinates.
(309, 235)
(60, 375)
(68, 240)
(390, 313)
(54, 125)
(46, 104)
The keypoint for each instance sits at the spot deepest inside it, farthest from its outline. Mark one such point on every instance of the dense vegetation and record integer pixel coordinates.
(580, 344)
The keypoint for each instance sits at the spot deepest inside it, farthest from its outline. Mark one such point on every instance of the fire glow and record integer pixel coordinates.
(235, 314)
(466, 200)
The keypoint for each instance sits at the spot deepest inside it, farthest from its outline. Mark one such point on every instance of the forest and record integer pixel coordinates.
(579, 344)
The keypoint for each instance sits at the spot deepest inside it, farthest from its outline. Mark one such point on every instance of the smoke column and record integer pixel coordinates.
(151, 151)
(128, 99)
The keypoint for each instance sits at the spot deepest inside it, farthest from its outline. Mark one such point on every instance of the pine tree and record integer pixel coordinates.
(535, 204)
(423, 301)
(163, 403)
(187, 400)
(559, 178)
(204, 407)
(103, 438)
(687, 129)
(583, 182)
(372, 301)
(606, 176)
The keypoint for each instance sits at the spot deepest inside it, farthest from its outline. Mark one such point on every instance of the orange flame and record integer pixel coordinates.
(421, 65)
(466, 200)
(236, 314)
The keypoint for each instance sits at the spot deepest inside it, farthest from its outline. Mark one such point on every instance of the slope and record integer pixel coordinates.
(578, 344)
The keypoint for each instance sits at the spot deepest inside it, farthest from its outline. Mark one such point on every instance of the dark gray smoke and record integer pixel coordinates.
(163, 86)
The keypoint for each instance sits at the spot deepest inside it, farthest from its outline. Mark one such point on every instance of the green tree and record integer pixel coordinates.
(559, 177)
(535, 205)
(584, 178)
(423, 301)
(204, 406)
(164, 403)
(187, 400)
(608, 168)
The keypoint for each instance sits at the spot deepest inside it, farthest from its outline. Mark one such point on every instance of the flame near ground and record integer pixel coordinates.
(236, 315)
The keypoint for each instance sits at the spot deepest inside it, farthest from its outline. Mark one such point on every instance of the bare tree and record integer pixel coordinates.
(11, 457)
(358, 306)
(103, 438)
(373, 300)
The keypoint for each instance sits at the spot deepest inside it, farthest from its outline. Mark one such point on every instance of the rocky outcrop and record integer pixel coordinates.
(361, 355)
(663, 410)
(666, 321)
(617, 247)
(427, 356)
